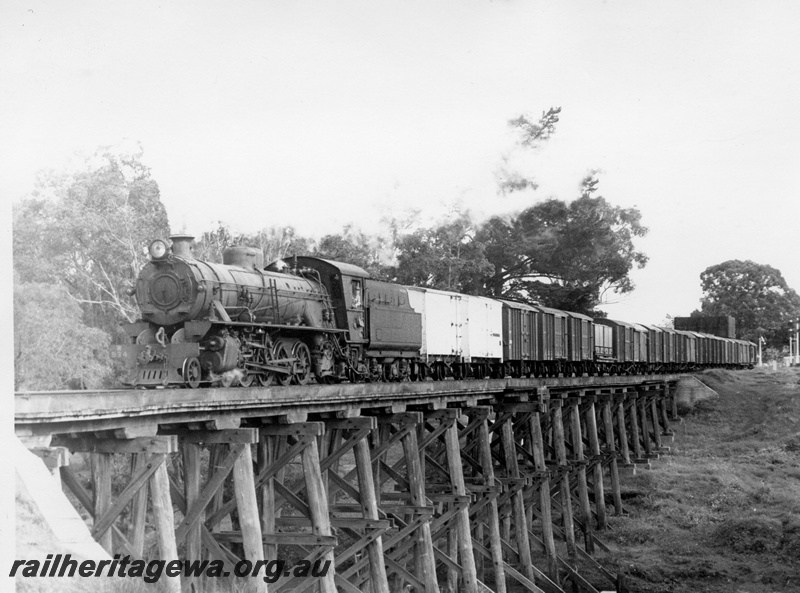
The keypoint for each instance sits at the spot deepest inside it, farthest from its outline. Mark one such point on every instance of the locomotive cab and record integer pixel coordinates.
(345, 284)
(383, 333)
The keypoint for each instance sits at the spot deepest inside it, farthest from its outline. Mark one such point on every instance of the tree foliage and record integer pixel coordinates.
(446, 256)
(210, 245)
(88, 231)
(79, 241)
(530, 134)
(564, 255)
(53, 348)
(533, 133)
(275, 242)
(755, 294)
(355, 247)
(280, 242)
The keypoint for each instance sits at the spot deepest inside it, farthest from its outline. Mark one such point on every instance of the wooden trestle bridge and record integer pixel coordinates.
(493, 485)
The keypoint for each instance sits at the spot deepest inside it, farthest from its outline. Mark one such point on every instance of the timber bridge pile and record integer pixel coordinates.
(471, 486)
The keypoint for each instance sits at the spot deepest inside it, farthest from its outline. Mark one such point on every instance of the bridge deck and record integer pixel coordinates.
(54, 412)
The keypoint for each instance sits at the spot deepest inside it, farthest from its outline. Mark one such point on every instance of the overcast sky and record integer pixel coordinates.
(318, 114)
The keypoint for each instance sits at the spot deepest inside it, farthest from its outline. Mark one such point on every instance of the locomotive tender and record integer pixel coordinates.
(239, 323)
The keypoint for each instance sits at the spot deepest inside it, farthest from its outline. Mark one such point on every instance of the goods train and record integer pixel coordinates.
(240, 323)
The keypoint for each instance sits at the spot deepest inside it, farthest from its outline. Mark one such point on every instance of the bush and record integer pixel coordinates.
(756, 534)
(792, 444)
(791, 539)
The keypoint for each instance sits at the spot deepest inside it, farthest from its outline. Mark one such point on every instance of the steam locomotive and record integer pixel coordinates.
(240, 323)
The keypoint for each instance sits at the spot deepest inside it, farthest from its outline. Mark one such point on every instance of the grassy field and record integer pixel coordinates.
(721, 511)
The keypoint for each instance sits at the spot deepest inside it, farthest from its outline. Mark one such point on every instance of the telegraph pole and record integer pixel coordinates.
(794, 342)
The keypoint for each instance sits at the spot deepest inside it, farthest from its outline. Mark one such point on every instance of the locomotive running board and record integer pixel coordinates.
(277, 326)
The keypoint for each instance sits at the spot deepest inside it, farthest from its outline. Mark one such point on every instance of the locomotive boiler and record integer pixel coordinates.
(238, 323)
(200, 321)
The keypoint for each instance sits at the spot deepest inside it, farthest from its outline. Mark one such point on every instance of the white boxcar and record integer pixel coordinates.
(484, 329)
(444, 316)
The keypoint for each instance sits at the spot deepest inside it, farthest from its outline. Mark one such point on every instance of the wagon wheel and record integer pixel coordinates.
(478, 371)
(192, 372)
(280, 352)
(439, 371)
(303, 365)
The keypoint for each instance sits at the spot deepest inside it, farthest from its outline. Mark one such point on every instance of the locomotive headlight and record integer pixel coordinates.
(157, 249)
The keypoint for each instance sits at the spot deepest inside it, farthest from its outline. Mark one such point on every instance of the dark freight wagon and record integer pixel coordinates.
(521, 328)
(669, 340)
(629, 345)
(553, 339)
(655, 347)
(580, 343)
(687, 348)
(603, 342)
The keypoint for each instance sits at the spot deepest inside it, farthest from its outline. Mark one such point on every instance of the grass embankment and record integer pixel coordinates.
(721, 511)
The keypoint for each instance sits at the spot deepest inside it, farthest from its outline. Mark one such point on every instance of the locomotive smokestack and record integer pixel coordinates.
(182, 245)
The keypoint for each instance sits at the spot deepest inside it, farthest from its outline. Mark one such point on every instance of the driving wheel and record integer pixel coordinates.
(281, 352)
(303, 365)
